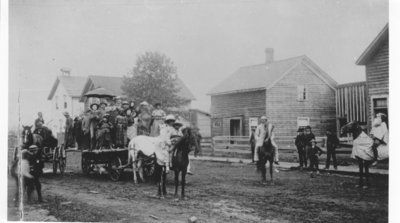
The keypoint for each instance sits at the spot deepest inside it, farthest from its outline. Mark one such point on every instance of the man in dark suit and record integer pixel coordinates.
(252, 143)
(300, 144)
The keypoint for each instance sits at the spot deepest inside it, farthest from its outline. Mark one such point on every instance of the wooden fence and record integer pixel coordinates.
(239, 146)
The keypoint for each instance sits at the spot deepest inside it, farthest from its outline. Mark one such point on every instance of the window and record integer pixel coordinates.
(380, 105)
(302, 93)
(65, 101)
(217, 123)
(56, 102)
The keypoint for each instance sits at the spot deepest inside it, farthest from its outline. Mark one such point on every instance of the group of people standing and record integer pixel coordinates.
(309, 151)
(305, 142)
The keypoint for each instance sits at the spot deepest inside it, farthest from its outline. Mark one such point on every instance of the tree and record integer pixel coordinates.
(153, 79)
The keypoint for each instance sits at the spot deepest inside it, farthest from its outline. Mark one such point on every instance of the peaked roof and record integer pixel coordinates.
(373, 47)
(110, 83)
(72, 84)
(114, 84)
(264, 76)
(199, 111)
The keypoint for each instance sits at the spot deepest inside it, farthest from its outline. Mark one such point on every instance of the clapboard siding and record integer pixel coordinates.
(283, 108)
(377, 75)
(204, 124)
(244, 105)
(351, 102)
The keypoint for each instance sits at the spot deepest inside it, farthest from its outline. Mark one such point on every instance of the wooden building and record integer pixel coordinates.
(64, 97)
(376, 61)
(201, 120)
(292, 92)
(351, 103)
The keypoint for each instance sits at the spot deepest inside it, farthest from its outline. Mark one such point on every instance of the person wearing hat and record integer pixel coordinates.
(121, 126)
(314, 153)
(299, 142)
(131, 130)
(69, 139)
(165, 134)
(263, 131)
(157, 119)
(125, 106)
(252, 141)
(39, 119)
(103, 136)
(85, 130)
(94, 116)
(118, 102)
(308, 136)
(380, 134)
(102, 108)
(78, 133)
(144, 119)
(332, 142)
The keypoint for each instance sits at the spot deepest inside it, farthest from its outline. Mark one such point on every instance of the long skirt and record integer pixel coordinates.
(155, 128)
(69, 139)
(120, 138)
(131, 132)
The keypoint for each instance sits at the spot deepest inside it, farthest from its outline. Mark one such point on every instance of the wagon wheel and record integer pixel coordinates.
(113, 171)
(55, 159)
(85, 165)
(62, 159)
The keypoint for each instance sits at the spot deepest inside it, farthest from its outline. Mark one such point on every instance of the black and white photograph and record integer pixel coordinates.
(198, 111)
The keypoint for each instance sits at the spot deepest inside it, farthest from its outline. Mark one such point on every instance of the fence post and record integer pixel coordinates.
(212, 146)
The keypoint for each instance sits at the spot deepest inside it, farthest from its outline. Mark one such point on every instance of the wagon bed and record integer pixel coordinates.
(113, 160)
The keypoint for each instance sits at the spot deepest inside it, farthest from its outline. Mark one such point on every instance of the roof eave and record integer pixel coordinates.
(84, 90)
(53, 89)
(373, 46)
(236, 91)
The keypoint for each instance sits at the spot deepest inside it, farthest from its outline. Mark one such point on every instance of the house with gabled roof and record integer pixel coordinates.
(375, 58)
(114, 84)
(292, 93)
(64, 97)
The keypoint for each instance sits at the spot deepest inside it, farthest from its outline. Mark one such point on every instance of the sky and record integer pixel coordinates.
(207, 40)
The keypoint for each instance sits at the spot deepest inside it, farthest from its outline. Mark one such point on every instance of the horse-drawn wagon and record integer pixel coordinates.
(113, 161)
(52, 149)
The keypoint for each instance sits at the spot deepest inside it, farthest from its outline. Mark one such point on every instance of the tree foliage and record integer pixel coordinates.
(154, 79)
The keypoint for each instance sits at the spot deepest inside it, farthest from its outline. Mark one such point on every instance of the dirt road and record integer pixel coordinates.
(218, 192)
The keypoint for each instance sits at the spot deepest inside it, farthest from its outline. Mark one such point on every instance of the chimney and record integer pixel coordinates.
(65, 71)
(269, 55)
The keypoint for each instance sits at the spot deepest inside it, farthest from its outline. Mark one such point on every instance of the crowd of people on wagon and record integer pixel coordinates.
(113, 124)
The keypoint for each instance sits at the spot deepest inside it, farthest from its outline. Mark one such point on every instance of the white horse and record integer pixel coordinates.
(148, 146)
(362, 151)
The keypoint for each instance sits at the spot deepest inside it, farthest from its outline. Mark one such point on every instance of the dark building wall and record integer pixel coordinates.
(283, 106)
(242, 105)
(377, 76)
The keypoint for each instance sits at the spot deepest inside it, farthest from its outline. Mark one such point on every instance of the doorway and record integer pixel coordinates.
(235, 127)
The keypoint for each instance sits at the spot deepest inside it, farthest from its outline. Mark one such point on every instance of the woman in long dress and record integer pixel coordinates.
(121, 127)
(158, 116)
(144, 119)
(132, 127)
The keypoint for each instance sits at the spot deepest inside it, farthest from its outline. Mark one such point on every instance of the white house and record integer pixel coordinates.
(64, 96)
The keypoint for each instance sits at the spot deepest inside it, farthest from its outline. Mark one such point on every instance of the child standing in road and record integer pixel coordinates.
(314, 153)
